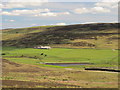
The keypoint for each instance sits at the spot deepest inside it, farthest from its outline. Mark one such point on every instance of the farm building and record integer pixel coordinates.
(42, 47)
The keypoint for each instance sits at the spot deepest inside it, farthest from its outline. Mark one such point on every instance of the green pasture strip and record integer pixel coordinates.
(100, 57)
(94, 66)
(23, 60)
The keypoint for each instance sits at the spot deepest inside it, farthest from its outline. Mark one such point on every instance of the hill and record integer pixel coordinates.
(97, 35)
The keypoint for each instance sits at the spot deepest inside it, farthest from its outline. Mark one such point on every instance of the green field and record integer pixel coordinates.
(100, 57)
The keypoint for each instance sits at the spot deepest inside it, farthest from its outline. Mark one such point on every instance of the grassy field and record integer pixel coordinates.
(20, 65)
(30, 55)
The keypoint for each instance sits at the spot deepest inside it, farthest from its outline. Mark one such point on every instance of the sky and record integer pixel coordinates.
(24, 13)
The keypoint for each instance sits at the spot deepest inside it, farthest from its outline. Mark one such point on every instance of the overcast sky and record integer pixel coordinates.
(26, 14)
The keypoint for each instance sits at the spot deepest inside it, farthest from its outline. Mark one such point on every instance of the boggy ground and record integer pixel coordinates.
(32, 76)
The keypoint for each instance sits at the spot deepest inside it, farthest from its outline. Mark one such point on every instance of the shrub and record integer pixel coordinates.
(65, 79)
(3, 54)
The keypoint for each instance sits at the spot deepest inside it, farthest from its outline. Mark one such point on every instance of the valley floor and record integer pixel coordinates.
(27, 72)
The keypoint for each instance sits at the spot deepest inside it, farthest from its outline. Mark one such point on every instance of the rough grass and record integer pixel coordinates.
(11, 34)
(32, 76)
(101, 35)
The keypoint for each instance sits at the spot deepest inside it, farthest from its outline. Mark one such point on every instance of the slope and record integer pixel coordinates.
(98, 35)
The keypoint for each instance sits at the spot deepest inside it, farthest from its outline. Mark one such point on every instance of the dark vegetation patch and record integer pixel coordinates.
(114, 38)
(101, 69)
(3, 54)
(83, 43)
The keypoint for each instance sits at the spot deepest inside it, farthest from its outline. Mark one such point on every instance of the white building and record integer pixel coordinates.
(43, 47)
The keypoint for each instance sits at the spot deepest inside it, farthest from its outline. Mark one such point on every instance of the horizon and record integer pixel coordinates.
(59, 25)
